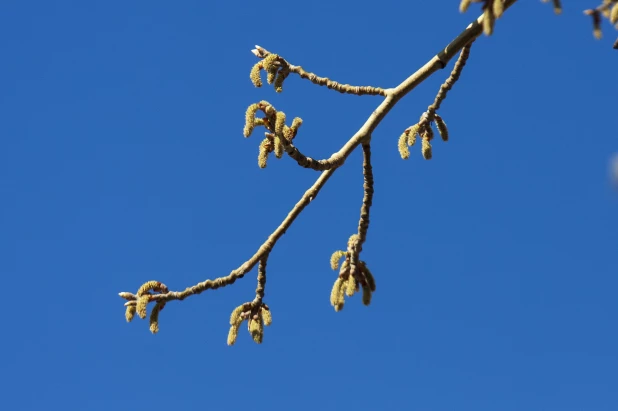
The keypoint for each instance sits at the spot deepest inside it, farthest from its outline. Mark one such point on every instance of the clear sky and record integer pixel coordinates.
(122, 160)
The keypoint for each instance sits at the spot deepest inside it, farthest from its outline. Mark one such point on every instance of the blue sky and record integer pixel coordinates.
(122, 160)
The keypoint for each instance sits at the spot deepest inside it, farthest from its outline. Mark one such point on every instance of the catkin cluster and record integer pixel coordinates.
(423, 127)
(423, 130)
(138, 303)
(278, 134)
(352, 277)
(257, 316)
(277, 70)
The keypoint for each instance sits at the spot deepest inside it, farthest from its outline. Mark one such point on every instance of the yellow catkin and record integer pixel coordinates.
(297, 122)
(129, 313)
(279, 123)
(402, 146)
(412, 135)
(232, 334)
(250, 119)
(278, 147)
(288, 133)
(350, 286)
(256, 328)
(235, 318)
(265, 149)
(345, 267)
(149, 286)
(271, 76)
(255, 75)
(463, 6)
(426, 149)
(267, 316)
(334, 259)
(268, 108)
(335, 295)
(353, 239)
(340, 298)
(154, 319)
(142, 303)
(269, 66)
(613, 15)
(498, 8)
(268, 63)
(366, 295)
(441, 126)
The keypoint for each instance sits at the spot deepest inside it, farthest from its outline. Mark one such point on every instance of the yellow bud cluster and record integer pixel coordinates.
(277, 70)
(347, 284)
(277, 130)
(257, 316)
(423, 130)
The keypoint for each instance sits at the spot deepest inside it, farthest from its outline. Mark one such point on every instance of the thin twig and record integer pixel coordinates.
(287, 68)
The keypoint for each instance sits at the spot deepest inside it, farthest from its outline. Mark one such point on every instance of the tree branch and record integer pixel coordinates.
(363, 135)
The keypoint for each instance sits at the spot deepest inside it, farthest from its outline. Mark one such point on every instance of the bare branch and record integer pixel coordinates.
(256, 312)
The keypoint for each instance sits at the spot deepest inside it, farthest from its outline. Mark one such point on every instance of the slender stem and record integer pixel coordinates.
(363, 222)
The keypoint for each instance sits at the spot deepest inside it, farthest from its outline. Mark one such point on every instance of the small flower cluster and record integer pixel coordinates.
(257, 316)
(353, 275)
(278, 133)
(138, 303)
